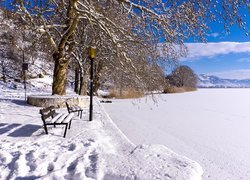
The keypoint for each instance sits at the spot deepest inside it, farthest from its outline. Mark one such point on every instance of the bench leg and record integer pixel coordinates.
(66, 127)
(70, 123)
(45, 128)
(81, 114)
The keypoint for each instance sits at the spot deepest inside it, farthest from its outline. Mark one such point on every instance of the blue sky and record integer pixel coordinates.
(224, 55)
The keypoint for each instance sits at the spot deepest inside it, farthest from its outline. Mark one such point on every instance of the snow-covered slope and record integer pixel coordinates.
(91, 150)
(207, 81)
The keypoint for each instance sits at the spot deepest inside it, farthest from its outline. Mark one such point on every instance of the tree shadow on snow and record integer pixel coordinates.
(25, 131)
(8, 128)
(28, 178)
(20, 102)
(3, 124)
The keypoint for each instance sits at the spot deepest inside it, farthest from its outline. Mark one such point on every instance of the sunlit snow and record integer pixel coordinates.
(210, 126)
(91, 150)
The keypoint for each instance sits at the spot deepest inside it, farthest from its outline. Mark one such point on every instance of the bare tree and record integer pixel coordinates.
(183, 76)
(10, 61)
(18, 45)
(123, 23)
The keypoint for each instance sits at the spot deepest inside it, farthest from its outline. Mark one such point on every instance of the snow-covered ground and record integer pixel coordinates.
(210, 126)
(91, 150)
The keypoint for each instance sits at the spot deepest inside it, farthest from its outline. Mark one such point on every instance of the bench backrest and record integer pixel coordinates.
(67, 106)
(47, 112)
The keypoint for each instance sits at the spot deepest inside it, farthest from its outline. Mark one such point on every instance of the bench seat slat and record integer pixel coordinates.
(46, 110)
(68, 118)
(50, 117)
(55, 118)
(61, 118)
(74, 108)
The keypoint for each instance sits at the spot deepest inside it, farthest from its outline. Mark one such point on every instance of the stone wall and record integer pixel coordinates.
(57, 101)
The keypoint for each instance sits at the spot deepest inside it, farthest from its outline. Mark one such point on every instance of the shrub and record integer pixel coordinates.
(174, 89)
(169, 89)
(125, 94)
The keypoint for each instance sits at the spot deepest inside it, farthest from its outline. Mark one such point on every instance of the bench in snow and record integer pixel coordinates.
(74, 108)
(50, 117)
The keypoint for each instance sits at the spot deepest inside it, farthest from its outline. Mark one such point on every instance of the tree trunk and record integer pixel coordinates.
(120, 89)
(76, 81)
(83, 86)
(96, 82)
(3, 72)
(60, 75)
(59, 56)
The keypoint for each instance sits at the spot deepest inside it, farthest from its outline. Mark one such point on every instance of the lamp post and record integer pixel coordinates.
(92, 57)
(25, 68)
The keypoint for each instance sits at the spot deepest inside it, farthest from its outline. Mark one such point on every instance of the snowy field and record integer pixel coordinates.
(210, 126)
(91, 150)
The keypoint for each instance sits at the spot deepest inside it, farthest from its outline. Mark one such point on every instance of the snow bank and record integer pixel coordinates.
(41, 82)
(155, 162)
(91, 150)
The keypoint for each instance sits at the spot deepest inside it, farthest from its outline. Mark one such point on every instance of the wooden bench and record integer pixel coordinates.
(50, 117)
(74, 108)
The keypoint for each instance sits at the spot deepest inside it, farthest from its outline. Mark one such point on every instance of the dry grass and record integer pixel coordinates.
(125, 94)
(190, 89)
(174, 89)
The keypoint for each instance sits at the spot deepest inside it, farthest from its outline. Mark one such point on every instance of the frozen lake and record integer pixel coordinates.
(210, 126)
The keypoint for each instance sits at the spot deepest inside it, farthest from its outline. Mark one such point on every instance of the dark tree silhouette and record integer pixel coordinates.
(183, 76)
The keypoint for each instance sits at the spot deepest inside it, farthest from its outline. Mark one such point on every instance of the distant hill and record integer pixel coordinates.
(207, 81)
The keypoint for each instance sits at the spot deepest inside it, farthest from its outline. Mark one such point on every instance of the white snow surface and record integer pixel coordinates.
(210, 126)
(91, 150)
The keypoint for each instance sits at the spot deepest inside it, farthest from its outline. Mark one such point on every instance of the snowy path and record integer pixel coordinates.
(210, 126)
(91, 150)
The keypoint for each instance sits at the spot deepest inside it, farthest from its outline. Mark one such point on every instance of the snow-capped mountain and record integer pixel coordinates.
(209, 81)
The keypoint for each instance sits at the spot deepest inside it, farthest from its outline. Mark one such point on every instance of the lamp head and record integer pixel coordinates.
(91, 52)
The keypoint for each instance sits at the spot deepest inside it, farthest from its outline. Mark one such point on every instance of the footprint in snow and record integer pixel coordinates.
(13, 165)
(42, 156)
(91, 171)
(51, 167)
(30, 158)
(72, 166)
(87, 144)
(2, 159)
(72, 147)
(181, 163)
(168, 176)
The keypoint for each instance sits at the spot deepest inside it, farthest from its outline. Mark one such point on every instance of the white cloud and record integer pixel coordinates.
(198, 50)
(233, 74)
(213, 35)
